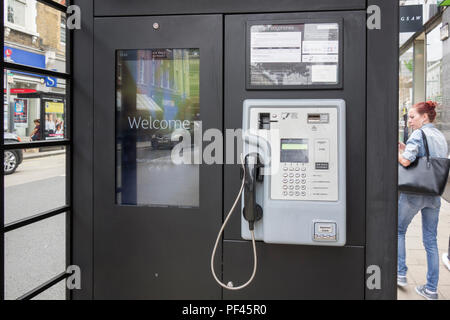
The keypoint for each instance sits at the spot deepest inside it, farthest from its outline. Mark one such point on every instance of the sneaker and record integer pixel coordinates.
(424, 292)
(401, 281)
(445, 260)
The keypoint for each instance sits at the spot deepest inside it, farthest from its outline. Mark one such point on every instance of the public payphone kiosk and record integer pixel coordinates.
(304, 80)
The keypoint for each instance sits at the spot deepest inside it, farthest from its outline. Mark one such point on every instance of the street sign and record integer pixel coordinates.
(50, 82)
(411, 18)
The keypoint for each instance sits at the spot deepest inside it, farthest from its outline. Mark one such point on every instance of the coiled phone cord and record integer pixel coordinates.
(230, 286)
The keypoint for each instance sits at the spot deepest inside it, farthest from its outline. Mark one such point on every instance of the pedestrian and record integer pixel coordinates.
(421, 116)
(36, 134)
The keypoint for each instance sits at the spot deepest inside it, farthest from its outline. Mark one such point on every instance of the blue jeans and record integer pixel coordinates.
(408, 206)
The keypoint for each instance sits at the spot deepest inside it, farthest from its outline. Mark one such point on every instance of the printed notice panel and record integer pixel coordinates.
(294, 54)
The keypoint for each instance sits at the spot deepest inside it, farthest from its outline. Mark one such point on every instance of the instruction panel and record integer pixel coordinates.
(294, 54)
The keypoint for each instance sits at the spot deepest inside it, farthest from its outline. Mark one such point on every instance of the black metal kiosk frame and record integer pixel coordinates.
(371, 116)
(127, 252)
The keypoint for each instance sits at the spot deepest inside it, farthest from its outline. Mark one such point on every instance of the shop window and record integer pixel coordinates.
(37, 106)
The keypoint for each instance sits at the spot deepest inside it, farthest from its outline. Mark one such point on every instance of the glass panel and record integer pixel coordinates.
(36, 182)
(57, 292)
(294, 54)
(406, 90)
(34, 254)
(34, 35)
(157, 104)
(34, 99)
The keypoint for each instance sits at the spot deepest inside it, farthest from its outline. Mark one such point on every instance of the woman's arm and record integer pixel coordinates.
(401, 148)
(404, 162)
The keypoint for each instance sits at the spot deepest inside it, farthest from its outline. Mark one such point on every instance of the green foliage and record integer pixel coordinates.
(409, 64)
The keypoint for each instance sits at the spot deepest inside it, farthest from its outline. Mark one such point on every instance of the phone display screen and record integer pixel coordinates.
(294, 150)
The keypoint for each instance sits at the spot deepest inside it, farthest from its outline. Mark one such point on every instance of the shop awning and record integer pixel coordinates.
(144, 102)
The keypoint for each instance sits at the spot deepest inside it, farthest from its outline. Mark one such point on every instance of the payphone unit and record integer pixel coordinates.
(293, 175)
(302, 187)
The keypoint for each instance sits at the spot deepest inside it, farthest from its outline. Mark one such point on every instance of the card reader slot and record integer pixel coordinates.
(314, 118)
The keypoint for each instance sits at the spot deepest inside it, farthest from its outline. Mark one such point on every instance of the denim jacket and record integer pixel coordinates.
(436, 143)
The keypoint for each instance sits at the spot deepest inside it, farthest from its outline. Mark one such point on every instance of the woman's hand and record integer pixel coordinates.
(401, 147)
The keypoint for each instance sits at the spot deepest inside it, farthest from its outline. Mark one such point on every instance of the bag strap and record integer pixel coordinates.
(425, 142)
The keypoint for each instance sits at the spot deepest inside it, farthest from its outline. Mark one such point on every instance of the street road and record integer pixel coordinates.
(35, 253)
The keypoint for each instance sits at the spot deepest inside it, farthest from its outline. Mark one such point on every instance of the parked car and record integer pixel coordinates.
(12, 157)
(167, 139)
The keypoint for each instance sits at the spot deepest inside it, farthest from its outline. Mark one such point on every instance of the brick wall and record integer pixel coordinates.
(48, 22)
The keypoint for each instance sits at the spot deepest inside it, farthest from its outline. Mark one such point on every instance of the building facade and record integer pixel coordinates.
(30, 39)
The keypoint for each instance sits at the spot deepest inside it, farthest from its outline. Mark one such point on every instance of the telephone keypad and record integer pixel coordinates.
(291, 181)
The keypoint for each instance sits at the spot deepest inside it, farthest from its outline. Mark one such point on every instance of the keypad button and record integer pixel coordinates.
(303, 169)
(285, 168)
(285, 193)
(285, 180)
(297, 193)
(285, 187)
(291, 169)
(297, 175)
(303, 187)
(285, 175)
(298, 187)
(303, 181)
(297, 181)
(291, 193)
(291, 180)
(303, 175)
(291, 187)
(291, 175)
(297, 169)
(303, 193)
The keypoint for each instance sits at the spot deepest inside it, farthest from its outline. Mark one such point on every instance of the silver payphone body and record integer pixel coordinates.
(303, 193)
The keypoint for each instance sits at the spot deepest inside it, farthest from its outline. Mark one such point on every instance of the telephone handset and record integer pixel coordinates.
(252, 175)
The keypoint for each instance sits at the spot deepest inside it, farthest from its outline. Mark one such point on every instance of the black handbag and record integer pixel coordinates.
(426, 175)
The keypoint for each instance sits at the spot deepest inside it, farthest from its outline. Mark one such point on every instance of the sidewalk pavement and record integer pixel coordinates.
(416, 258)
(33, 155)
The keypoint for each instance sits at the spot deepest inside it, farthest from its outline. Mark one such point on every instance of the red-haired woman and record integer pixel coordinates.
(420, 117)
